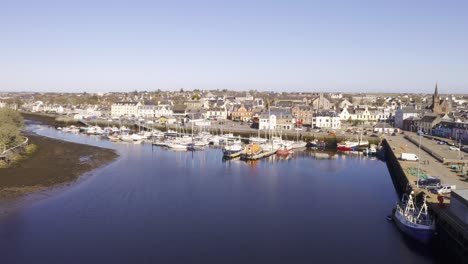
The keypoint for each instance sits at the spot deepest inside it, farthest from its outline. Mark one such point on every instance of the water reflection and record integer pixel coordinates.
(155, 205)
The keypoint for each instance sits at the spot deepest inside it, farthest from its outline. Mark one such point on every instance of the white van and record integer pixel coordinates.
(409, 156)
(444, 188)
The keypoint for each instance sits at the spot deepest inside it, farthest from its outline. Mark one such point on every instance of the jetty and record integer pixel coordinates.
(435, 160)
(233, 155)
(261, 155)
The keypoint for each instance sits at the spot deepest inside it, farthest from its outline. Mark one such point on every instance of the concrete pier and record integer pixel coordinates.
(434, 160)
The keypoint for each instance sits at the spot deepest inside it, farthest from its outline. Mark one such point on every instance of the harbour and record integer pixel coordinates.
(232, 206)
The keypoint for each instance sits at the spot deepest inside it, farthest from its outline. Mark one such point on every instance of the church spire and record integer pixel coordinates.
(436, 93)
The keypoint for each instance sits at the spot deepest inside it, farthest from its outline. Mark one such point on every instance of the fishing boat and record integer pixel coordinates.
(231, 149)
(416, 223)
(253, 149)
(347, 145)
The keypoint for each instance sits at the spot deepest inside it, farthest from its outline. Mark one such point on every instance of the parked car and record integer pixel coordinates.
(429, 182)
(444, 188)
(441, 143)
(454, 148)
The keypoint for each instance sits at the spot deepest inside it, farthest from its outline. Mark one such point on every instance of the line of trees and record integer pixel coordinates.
(11, 122)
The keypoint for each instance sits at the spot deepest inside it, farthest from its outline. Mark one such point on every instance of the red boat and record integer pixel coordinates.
(347, 146)
(284, 151)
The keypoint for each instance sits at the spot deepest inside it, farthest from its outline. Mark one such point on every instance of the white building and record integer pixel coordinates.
(216, 113)
(119, 109)
(327, 119)
(335, 95)
(8, 105)
(383, 128)
(147, 110)
(404, 113)
(266, 122)
(163, 110)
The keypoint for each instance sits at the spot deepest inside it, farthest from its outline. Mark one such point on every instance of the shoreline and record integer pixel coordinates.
(53, 164)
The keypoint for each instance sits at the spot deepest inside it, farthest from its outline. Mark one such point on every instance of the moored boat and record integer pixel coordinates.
(347, 146)
(229, 150)
(416, 223)
(253, 149)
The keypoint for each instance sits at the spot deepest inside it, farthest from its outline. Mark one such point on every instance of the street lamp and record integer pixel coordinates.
(419, 160)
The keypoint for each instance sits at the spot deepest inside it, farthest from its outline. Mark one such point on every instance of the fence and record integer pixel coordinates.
(8, 154)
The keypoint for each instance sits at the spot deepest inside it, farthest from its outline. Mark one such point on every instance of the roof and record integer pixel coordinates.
(461, 195)
(126, 103)
(179, 108)
(428, 118)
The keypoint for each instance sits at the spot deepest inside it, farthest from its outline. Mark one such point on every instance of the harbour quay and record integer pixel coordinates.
(435, 160)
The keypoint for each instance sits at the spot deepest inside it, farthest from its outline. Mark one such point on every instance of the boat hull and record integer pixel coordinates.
(420, 233)
(346, 148)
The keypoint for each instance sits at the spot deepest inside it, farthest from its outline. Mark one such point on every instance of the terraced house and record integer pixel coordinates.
(241, 113)
(302, 114)
(119, 109)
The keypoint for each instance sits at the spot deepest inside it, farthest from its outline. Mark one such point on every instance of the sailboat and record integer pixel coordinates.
(298, 143)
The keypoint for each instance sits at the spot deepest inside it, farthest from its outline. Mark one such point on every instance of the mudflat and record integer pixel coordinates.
(54, 162)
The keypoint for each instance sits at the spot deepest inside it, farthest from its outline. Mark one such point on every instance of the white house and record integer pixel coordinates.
(326, 119)
(266, 122)
(404, 113)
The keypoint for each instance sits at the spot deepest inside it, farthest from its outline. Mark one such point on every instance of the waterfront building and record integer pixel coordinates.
(403, 113)
(428, 122)
(241, 113)
(302, 114)
(163, 110)
(266, 121)
(327, 119)
(128, 109)
(383, 128)
(216, 113)
(147, 110)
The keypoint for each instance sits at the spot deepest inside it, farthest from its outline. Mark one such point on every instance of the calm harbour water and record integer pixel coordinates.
(154, 205)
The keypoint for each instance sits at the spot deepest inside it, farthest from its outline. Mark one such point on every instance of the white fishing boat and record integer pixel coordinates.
(416, 223)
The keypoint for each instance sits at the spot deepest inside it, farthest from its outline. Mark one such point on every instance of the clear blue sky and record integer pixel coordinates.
(350, 46)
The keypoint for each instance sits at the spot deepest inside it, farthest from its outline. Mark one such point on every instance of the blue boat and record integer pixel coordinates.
(415, 223)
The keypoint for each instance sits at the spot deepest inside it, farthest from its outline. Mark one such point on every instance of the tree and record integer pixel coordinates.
(9, 135)
(10, 116)
(10, 123)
